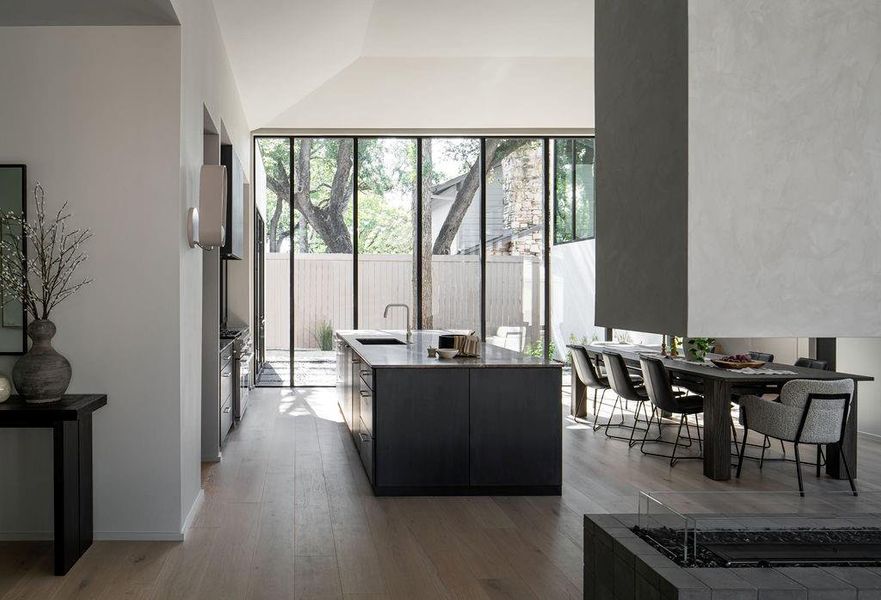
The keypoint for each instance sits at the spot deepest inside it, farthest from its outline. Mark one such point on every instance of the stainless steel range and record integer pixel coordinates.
(242, 353)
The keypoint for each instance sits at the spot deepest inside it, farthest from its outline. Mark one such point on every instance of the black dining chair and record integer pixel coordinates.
(587, 372)
(625, 389)
(664, 399)
(812, 363)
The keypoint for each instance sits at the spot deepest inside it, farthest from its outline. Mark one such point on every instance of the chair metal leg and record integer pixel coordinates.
(612, 415)
(595, 401)
(818, 461)
(596, 412)
(742, 450)
(647, 429)
(639, 405)
(676, 443)
(700, 442)
(762, 458)
(801, 487)
(853, 488)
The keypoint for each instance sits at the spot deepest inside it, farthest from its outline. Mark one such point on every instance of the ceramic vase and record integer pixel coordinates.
(41, 375)
(5, 388)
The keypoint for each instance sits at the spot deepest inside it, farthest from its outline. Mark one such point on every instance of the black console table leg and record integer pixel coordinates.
(73, 491)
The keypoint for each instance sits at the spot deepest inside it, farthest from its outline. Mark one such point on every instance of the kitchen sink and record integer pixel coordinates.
(380, 341)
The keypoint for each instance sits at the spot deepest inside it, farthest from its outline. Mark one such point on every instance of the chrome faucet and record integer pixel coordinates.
(406, 308)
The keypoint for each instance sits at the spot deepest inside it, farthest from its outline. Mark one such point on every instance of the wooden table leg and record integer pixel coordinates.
(834, 465)
(717, 430)
(73, 491)
(578, 397)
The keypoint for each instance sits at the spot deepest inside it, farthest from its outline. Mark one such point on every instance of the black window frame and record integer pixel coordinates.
(573, 198)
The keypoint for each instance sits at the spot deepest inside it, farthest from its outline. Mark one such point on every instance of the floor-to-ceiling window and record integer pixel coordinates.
(322, 250)
(386, 224)
(451, 226)
(515, 243)
(456, 228)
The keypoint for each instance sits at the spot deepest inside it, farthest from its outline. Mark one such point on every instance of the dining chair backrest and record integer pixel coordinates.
(824, 406)
(657, 384)
(812, 363)
(585, 368)
(762, 356)
(619, 377)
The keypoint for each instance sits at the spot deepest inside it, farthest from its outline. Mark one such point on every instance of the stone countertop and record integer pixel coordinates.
(415, 354)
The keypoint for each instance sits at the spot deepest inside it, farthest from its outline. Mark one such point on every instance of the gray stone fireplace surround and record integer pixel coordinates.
(618, 565)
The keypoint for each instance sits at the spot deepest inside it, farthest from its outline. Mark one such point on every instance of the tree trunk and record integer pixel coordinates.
(496, 151)
(426, 243)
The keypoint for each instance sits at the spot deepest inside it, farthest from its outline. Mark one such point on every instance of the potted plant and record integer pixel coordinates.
(699, 347)
(41, 279)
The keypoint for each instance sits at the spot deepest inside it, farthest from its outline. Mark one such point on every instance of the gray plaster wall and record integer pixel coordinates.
(642, 164)
(784, 166)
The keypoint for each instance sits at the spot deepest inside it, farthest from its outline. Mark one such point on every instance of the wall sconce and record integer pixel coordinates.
(205, 227)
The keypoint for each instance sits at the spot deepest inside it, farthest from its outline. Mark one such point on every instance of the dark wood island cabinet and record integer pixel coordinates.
(424, 426)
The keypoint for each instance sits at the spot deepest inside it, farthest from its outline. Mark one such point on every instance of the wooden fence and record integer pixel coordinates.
(323, 293)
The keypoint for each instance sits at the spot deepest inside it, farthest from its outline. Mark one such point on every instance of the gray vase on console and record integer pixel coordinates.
(41, 375)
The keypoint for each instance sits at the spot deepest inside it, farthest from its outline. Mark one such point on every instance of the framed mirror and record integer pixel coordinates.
(13, 190)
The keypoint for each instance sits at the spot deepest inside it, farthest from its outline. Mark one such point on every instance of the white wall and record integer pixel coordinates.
(111, 118)
(450, 93)
(573, 288)
(94, 112)
(206, 81)
(784, 168)
(862, 356)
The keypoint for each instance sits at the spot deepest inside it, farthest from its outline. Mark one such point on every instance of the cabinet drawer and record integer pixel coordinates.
(366, 377)
(365, 403)
(225, 384)
(225, 419)
(365, 449)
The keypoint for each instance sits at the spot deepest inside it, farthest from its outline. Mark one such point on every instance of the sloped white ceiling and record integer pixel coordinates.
(412, 63)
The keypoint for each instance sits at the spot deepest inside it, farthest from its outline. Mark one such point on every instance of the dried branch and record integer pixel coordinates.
(43, 282)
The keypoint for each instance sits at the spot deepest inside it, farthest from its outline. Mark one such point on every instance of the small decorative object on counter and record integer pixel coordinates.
(41, 282)
(471, 346)
(432, 352)
(674, 345)
(5, 388)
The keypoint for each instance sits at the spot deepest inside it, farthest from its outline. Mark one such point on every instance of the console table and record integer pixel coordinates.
(71, 423)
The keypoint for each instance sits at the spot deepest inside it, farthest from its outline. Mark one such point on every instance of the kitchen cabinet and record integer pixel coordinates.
(489, 425)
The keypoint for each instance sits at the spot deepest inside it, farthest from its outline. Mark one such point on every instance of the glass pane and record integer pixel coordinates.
(272, 190)
(386, 224)
(323, 289)
(585, 199)
(451, 239)
(637, 337)
(563, 227)
(515, 244)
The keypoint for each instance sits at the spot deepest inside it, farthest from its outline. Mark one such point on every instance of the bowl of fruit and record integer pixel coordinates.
(737, 361)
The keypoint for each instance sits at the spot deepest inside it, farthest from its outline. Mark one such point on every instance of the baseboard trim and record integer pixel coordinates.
(26, 536)
(138, 536)
(104, 536)
(194, 510)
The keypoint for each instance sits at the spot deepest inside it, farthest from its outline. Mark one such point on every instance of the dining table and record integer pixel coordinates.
(717, 385)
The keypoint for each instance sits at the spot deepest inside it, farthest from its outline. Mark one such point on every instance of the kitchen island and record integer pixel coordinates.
(429, 426)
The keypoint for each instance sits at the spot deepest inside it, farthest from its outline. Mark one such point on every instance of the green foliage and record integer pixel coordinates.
(583, 341)
(324, 335)
(536, 349)
(699, 347)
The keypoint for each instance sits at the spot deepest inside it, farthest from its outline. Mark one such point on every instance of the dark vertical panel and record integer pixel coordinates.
(641, 86)
(826, 350)
(546, 237)
(355, 232)
(291, 261)
(483, 239)
(418, 237)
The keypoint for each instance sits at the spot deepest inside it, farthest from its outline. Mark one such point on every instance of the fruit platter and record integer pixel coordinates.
(737, 361)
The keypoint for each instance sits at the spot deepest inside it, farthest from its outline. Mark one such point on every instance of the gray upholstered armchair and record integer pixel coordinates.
(808, 412)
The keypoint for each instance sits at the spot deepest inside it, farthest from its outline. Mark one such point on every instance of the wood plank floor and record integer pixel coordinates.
(288, 514)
